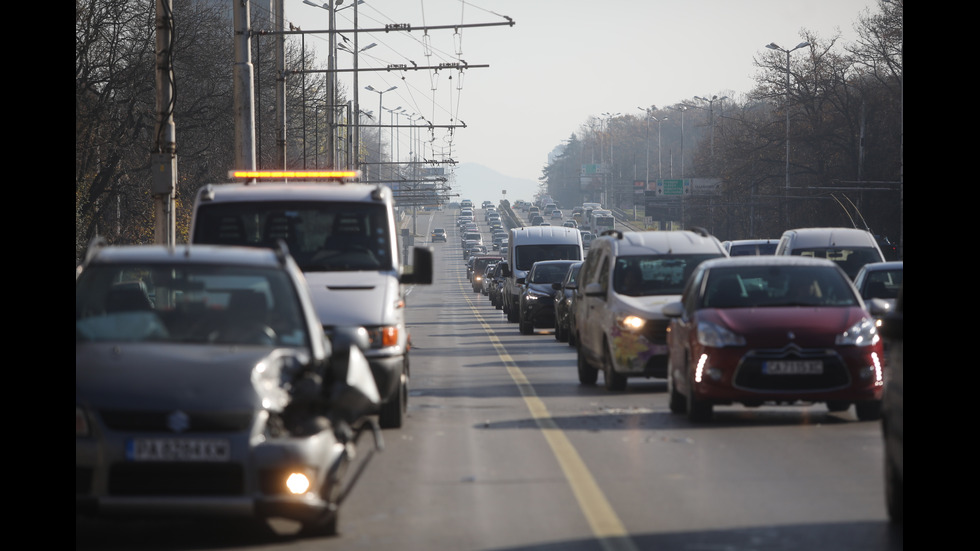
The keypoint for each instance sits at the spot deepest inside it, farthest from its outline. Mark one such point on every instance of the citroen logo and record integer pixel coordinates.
(178, 421)
(790, 335)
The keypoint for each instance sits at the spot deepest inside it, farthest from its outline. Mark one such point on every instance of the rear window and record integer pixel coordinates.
(526, 255)
(850, 259)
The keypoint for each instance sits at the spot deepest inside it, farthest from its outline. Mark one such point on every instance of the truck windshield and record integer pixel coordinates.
(321, 236)
(526, 255)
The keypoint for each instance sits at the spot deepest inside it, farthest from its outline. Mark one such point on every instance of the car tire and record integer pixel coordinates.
(587, 375)
(525, 327)
(698, 411)
(836, 406)
(868, 411)
(513, 315)
(614, 381)
(676, 401)
(392, 414)
(894, 490)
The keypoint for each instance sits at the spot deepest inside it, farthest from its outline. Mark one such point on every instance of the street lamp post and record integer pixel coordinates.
(711, 118)
(774, 46)
(381, 94)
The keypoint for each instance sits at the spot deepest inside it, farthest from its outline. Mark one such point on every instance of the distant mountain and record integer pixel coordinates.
(480, 183)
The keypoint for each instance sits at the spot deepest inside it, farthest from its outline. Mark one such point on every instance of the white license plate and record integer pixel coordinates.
(178, 449)
(799, 367)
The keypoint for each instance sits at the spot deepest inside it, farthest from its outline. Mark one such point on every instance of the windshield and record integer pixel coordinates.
(768, 286)
(321, 236)
(197, 304)
(851, 259)
(655, 274)
(526, 255)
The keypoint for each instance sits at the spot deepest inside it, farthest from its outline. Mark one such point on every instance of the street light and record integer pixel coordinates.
(381, 94)
(332, 72)
(774, 46)
(711, 118)
(608, 116)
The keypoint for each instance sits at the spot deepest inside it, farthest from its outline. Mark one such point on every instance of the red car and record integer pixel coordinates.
(773, 330)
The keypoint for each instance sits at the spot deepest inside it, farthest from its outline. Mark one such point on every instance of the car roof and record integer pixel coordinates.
(660, 242)
(288, 191)
(882, 266)
(830, 237)
(185, 254)
(767, 261)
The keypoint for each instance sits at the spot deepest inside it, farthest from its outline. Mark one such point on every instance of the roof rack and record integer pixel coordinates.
(699, 230)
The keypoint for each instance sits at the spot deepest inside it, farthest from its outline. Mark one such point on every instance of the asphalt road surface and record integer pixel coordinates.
(503, 449)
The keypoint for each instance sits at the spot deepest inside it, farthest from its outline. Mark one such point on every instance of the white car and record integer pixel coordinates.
(625, 281)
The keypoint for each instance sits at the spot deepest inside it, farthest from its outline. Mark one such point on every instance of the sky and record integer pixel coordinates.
(562, 62)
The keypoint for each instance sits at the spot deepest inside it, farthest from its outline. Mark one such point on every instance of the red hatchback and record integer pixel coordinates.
(772, 330)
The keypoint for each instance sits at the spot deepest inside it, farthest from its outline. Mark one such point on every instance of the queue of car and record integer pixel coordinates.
(750, 322)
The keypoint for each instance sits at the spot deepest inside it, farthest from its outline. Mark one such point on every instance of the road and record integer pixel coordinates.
(504, 450)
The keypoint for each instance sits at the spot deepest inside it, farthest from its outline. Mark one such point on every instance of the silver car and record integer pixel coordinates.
(204, 386)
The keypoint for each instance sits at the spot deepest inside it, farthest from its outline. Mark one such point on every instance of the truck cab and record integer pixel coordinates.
(343, 237)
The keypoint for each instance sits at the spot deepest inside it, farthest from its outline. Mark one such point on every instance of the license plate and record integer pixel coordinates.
(178, 449)
(800, 367)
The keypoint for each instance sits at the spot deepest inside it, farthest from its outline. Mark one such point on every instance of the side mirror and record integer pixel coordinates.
(421, 270)
(673, 309)
(594, 290)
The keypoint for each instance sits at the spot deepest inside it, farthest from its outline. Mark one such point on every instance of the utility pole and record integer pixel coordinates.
(163, 158)
(279, 23)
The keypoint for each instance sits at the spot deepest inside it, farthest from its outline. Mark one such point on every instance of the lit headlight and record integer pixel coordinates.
(862, 333)
(717, 336)
(297, 483)
(631, 322)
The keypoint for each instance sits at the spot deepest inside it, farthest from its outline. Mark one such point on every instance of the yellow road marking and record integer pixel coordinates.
(602, 519)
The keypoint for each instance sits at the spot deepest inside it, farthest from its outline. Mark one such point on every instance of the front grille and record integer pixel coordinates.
(157, 421)
(176, 479)
(749, 375)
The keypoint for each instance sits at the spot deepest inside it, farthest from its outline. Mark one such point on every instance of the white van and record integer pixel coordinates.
(343, 236)
(528, 245)
(622, 287)
(850, 248)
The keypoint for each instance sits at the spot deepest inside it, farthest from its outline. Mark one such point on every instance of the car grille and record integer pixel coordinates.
(157, 421)
(749, 375)
(176, 479)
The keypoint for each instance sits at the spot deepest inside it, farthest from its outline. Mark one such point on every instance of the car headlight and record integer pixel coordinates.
(718, 336)
(630, 322)
(862, 333)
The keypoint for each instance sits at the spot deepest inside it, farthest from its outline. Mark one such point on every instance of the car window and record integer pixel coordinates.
(849, 259)
(197, 304)
(882, 284)
(655, 274)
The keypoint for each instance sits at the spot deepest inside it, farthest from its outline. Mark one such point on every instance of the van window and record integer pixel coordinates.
(850, 259)
(321, 235)
(526, 255)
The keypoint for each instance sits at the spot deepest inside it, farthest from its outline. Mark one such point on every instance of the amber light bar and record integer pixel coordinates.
(282, 174)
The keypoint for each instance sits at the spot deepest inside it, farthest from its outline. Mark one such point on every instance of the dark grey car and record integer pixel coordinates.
(564, 294)
(204, 386)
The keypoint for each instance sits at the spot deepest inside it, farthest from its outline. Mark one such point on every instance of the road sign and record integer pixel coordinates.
(673, 188)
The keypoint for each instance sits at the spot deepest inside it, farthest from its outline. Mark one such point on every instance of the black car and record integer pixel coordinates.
(537, 308)
(564, 293)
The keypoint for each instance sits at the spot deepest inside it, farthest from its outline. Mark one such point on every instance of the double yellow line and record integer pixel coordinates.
(602, 519)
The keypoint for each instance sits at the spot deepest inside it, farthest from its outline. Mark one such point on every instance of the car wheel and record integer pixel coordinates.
(513, 315)
(698, 411)
(587, 375)
(868, 411)
(525, 327)
(676, 401)
(392, 414)
(894, 489)
(614, 380)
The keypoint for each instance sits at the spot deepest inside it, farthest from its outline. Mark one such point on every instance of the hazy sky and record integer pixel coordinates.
(563, 61)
